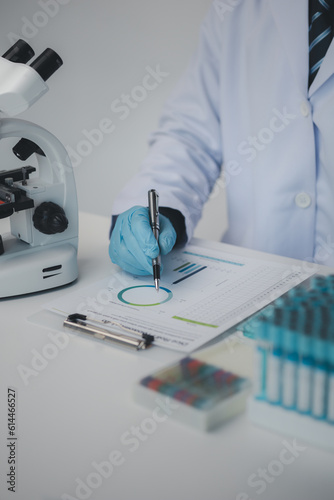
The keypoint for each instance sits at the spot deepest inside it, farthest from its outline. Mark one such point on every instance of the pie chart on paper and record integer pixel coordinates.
(144, 295)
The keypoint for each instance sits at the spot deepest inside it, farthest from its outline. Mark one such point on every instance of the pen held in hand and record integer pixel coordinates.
(153, 208)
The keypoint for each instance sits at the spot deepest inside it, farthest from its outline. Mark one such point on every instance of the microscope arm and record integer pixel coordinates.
(59, 169)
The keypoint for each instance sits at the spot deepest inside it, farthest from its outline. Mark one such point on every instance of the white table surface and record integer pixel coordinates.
(77, 410)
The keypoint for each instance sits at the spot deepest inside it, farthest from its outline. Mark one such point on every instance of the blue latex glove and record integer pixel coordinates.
(132, 243)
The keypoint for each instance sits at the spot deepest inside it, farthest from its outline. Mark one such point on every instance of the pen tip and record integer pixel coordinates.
(156, 282)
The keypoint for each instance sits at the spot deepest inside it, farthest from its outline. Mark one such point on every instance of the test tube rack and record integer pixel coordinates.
(293, 390)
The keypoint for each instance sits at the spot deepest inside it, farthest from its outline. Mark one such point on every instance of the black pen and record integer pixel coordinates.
(153, 208)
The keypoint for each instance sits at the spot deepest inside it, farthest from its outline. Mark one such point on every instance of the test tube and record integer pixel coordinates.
(330, 283)
(319, 283)
(320, 348)
(290, 361)
(274, 358)
(330, 358)
(330, 390)
(306, 363)
(260, 361)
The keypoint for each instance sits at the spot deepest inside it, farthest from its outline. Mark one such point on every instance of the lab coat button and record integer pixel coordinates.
(304, 108)
(303, 200)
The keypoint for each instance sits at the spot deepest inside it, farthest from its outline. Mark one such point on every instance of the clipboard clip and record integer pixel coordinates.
(82, 324)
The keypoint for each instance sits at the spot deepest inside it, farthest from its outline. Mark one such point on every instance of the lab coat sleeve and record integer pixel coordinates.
(185, 157)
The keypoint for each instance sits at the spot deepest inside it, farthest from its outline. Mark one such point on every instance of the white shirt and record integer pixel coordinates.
(243, 105)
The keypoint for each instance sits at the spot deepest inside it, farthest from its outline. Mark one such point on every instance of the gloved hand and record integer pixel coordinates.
(132, 243)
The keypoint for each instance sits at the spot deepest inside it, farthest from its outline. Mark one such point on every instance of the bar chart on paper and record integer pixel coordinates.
(203, 293)
(187, 270)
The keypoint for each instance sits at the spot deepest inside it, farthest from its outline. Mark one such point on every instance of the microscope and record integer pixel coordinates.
(40, 251)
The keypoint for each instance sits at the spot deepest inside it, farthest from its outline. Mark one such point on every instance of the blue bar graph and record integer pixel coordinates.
(189, 274)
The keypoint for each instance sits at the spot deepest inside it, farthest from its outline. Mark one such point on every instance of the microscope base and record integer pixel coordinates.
(25, 269)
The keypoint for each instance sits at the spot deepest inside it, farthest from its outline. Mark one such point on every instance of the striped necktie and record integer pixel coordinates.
(320, 33)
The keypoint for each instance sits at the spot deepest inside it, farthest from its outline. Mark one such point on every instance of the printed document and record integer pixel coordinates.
(203, 293)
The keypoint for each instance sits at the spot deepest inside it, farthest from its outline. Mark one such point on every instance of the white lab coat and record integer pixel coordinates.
(244, 104)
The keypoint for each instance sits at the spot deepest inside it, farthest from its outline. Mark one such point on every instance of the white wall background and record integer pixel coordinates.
(106, 47)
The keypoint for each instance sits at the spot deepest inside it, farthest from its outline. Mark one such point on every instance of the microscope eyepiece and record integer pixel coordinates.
(20, 52)
(47, 63)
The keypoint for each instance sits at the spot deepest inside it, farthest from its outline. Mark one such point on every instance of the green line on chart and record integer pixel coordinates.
(181, 267)
(195, 322)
